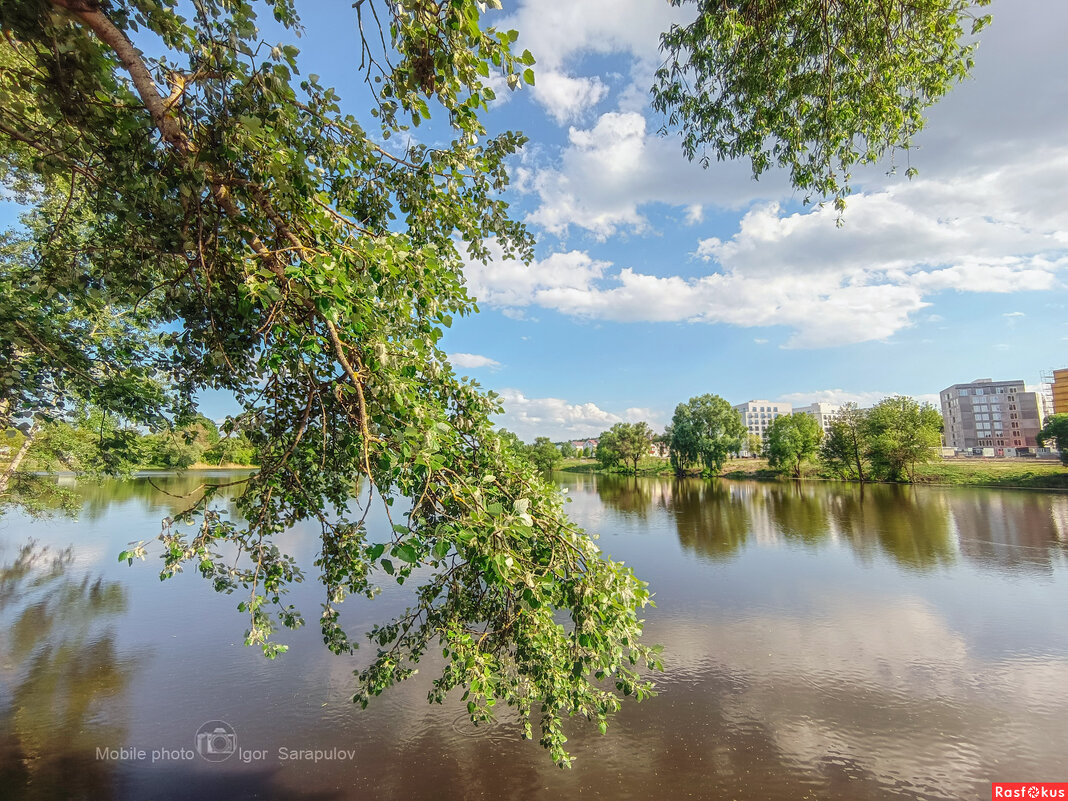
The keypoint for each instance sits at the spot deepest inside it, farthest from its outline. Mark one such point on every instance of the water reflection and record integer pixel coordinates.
(712, 518)
(919, 528)
(821, 641)
(907, 523)
(1011, 531)
(60, 675)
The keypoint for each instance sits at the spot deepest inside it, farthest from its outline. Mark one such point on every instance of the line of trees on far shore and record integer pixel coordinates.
(884, 443)
(93, 441)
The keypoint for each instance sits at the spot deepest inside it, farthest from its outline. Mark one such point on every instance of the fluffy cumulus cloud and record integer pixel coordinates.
(560, 33)
(1000, 230)
(567, 98)
(559, 419)
(613, 166)
(608, 172)
(472, 361)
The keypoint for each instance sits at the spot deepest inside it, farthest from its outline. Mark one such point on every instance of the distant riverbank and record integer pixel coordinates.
(1010, 473)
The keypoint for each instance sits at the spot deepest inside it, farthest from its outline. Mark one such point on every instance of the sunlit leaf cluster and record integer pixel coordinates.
(236, 229)
(815, 87)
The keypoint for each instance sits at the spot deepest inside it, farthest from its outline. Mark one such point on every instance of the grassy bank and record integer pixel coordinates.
(1028, 473)
(1017, 473)
(648, 466)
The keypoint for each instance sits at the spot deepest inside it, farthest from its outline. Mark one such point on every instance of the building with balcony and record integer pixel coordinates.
(990, 414)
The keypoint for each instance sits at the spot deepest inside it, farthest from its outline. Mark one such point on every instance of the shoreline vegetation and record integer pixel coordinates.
(1012, 473)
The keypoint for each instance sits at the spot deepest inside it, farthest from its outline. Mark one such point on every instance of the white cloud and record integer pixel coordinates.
(559, 419)
(560, 32)
(980, 232)
(517, 314)
(1015, 103)
(567, 98)
(472, 361)
(509, 282)
(823, 311)
(607, 172)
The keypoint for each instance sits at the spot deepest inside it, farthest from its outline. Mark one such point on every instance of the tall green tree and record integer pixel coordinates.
(810, 86)
(201, 215)
(901, 433)
(544, 454)
(844, 450)
(704, 432)
(792, 440)
(1055, 432)
(608, 452)
(626, 443)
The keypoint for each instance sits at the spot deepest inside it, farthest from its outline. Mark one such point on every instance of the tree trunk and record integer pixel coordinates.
(857, 456)
(9, 471)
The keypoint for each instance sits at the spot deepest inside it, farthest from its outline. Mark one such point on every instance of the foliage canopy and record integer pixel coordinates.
(201, 216)
(704, 432)
(624, 443)
(812, 86)
(1055, 431)
(791, 440)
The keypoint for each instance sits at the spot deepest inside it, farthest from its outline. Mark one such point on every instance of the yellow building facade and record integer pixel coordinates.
(1060, 391)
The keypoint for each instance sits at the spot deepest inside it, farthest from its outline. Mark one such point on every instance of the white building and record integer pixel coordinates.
(758, 414)
(825, 413)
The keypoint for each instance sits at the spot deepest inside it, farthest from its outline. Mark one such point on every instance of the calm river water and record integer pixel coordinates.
(821, 642)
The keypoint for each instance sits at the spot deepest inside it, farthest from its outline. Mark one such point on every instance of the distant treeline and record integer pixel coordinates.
(96, 442)
(883, 443)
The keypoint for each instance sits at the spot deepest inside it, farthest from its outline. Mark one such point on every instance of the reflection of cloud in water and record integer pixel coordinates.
(888, 688)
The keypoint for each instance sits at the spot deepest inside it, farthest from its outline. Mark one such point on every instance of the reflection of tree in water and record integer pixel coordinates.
(58, 668)
(798, 512)
(627, 494)
(909, 524)
(712, 517)
(164, 495)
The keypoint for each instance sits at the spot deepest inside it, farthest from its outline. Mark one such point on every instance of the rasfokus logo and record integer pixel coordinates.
(216, 741)
(1028, 790)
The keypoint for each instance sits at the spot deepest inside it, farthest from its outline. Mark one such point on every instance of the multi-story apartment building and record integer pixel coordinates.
(990, 414)
(758, 414)
(823, 412)
(1060, 391)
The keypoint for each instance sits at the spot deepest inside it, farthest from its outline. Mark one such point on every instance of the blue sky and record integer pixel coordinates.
(656, 280)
